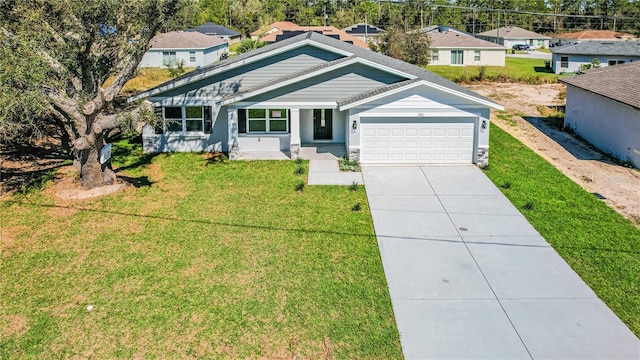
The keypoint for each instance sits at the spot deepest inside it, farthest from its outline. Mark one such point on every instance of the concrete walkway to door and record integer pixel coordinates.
(470, 278)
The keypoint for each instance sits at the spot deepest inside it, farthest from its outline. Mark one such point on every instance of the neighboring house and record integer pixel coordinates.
(365, 32)
(603, 107)
(450, 46)
(513, 35)
(590, 35)
(316, 89)
(282, 30)
(193, 48)
(569, 58)
(213, 29)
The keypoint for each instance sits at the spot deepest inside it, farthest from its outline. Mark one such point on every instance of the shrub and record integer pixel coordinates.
(356, 207)
(353, 186)
(300, 186)
(348, 165)
(299, 170)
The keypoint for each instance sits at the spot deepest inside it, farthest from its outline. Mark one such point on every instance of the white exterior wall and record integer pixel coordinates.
(508, 43)
(576, 60)
(153, 57)
(610, 126)
(489, 57)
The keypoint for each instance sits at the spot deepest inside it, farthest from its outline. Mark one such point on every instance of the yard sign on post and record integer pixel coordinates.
(105, 153)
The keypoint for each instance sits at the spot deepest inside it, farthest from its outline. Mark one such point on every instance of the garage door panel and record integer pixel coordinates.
(415, 142)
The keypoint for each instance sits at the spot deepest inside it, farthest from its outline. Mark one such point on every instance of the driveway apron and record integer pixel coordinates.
(470, 278)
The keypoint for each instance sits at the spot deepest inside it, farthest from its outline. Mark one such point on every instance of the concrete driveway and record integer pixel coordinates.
(470, 278)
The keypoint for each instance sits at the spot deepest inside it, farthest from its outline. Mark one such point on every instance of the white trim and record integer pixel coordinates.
(309, 75)
(420, 83)
(417, 115)
(276, 105)
(233, 65)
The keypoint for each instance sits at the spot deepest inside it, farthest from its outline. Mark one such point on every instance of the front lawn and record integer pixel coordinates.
(201, 259)
(524, 70)
(598, 243)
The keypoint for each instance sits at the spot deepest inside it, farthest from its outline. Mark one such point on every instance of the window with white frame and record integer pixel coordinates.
(267, 120)
(435, 55)
(564, 62)
(169, 57)
(186, 119)
(457, 57)
(192, 56)
(476, 55)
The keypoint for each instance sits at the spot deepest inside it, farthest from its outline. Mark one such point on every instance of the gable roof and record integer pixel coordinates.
(211, 28)
(314, 39)
(617, 82)
(284, 27)
(615, 48)
(450, 39)
(513, 32)
(184, 40)
(441, 28)
(278, 25)
(594, 35)
(363, 29)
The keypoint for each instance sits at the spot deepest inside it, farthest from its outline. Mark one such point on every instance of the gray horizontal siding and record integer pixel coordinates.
(255, 73)
(331, 86)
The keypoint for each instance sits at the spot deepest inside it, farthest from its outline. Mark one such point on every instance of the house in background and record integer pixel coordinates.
(450, 46)
(603, 107)
(569, 58)
(282, 30)
(193, 48)
(590, 35)
(213, 29)
(365, 32)
(513, 35)
(312, 88)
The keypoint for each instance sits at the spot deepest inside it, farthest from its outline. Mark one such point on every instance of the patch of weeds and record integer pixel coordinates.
(507, 117)
(299, 170)
(506, 185)
(528, 206)
(552, 116)
(39, 183)
(298, 161)
(300, 186)
(353, 186)
(348, 165)
(356, 207)
(586, 179)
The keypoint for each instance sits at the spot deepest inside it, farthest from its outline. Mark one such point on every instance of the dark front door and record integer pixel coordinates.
(322, 124)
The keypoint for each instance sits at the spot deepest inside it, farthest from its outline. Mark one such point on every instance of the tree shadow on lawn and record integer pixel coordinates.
(198, 221)
(543, 69)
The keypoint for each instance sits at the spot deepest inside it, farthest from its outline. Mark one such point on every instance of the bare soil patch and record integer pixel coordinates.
(589, 168)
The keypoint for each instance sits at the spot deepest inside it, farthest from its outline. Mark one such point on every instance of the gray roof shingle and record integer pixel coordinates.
(365, 54)
(617, 82)
(619, 48)
(214, 29)
(513, 32)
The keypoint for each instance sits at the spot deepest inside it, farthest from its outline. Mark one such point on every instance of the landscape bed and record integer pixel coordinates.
(201, 259)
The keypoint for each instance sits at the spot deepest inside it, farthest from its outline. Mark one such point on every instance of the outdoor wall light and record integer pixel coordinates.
(484, 124)
(354, 125)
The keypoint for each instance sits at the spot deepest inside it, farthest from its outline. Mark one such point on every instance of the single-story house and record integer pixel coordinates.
(315, 89)
(213, 29)
(450, 46)
(365, 32)
(603, 107)
(590, 35)
(282, 30)
(193, 48)
(513, 35)
(569, 58)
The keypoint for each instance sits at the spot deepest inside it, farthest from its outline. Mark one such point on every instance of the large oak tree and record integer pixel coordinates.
(55, 56)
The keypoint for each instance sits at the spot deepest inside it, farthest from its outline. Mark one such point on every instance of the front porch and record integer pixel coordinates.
(308, 151)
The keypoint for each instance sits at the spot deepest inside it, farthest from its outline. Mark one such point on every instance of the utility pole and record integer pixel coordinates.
(473, 20)
(325, 15)
(498, 34)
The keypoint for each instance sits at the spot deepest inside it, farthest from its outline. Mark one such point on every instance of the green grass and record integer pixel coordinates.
(530, 71)
(598, 243)
(203, 259)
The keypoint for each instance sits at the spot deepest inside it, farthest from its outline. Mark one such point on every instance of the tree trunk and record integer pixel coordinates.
(92, 173)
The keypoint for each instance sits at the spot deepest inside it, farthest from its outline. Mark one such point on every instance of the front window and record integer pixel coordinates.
(169, 57)
(540, 43)
(564, 62)
(476, 55)
(615, 62)
(457, 57)
(192, 56)
(188, 119)
(435, 55)
(271, 120)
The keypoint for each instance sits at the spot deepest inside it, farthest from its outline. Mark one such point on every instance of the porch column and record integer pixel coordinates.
(294, 146)
(232, 123)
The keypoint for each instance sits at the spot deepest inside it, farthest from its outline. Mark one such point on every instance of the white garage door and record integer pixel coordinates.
(415, 142)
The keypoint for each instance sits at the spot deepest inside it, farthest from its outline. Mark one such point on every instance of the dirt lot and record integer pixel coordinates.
(589, 168)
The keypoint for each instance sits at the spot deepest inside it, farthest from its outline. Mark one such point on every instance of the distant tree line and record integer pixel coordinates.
(543, 16)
